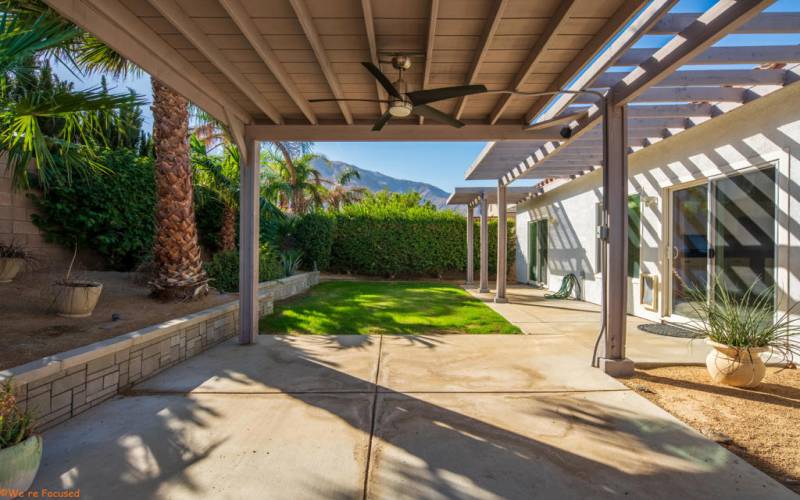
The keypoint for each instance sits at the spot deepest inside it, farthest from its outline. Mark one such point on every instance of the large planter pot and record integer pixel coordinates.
(736, 366)
(77, 299)
(9, 268)
(19, 464)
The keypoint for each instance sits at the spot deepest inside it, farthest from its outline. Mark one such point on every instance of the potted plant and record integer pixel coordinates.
(76, 298)
(740, 328)
(20, 448)
(12, 261)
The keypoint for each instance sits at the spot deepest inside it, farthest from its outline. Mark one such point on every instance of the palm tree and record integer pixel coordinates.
(219, 174)
(43, 121)
(340, 194)
(291, 181)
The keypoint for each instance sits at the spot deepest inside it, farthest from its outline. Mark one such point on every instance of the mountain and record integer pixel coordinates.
(376, 181)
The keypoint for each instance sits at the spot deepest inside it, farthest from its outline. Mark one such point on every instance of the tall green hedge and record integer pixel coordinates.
(314, 234)
(401, 243)
(111, 213)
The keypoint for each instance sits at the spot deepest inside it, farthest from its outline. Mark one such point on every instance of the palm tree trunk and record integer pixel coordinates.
(297, 199)
(228, 231)
(177, 258)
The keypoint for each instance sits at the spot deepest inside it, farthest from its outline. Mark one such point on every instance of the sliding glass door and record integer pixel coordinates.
(537, 251)
(744, 230)
(689, 247)
(722, 230)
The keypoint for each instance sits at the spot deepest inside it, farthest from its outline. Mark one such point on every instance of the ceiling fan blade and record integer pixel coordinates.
(347, 100)
(385, 82)
(381, 122)
(436, 115)
(425, 96)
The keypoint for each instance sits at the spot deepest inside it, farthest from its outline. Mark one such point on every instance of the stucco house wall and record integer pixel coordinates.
(765, 130)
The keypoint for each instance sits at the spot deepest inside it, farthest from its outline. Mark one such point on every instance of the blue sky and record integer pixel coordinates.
(443, 163)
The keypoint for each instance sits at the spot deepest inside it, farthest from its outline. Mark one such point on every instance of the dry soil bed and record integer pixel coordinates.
(761, 425)
(30, 330)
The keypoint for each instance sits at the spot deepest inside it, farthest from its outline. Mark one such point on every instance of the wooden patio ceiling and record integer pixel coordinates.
(256, 64)
(664, 97)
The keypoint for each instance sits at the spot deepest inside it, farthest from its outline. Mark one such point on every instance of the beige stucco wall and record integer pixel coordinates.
(15, 225)
(765, 130)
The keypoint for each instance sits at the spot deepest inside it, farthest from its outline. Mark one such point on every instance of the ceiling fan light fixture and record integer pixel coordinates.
(400, 109)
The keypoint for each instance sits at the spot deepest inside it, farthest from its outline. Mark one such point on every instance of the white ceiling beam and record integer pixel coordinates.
(124, 32)
(764, 23)
(725, 55)
(173, 13)
(369, 27)
(658, 110)
(566, 8)
(401, 130)
(429, 46)
(622, 30)
(489, 30)
(307, 24)
(714, 77)
(242, 19)
(683, 94)
(722, 18)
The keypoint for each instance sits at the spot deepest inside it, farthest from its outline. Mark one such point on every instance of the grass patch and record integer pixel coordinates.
(361, 308)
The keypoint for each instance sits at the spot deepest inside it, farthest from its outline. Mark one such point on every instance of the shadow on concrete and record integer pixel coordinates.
(422, 448)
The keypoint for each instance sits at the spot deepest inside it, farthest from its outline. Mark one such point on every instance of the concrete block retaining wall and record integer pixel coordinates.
(58, 387)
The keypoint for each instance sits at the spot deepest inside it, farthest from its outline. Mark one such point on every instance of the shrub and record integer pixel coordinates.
(314, 239)
(410, 242)
(15, 425)
(223, 269)
(111, 213)
(208, 213)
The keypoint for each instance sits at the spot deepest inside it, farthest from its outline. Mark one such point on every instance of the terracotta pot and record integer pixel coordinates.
(77, 299)
(19, 465)
(9, 268)
(736, 366)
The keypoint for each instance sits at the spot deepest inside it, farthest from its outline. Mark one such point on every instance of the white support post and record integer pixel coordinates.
(470, 244)
(484, 285)
(615, 203)
(502, 244)
(248, 242)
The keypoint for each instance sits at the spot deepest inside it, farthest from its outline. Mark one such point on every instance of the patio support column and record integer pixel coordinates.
(470, 244)
(615, 201)
(502, 244)
(484, 285)
(248, 242)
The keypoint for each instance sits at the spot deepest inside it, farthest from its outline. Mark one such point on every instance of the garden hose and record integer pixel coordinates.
(569, 282)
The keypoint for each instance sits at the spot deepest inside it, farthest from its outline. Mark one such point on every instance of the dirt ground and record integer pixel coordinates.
(761, 425)
(29, 329)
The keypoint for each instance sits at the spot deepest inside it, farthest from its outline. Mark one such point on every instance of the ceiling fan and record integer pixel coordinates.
(403, 103)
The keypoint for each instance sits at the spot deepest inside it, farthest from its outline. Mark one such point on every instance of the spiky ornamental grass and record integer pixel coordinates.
(745, 321)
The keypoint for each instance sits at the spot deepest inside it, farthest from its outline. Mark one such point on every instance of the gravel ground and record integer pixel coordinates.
(761, 425)
(30, 329)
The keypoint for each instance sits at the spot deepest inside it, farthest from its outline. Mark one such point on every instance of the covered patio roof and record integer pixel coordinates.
(688, 81)
(258, 64)
(470, 196)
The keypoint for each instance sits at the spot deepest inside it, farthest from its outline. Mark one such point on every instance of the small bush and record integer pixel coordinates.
(15, 425)
(208, 210)
(112, 213)
(223, 269)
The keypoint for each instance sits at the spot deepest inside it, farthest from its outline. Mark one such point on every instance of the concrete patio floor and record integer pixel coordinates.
(580, 321)
(449, 416)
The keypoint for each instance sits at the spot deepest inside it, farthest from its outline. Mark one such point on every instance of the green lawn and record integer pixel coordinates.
(354, 307)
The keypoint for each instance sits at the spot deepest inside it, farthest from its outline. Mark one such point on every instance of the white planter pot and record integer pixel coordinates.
(19, 465)
(77, 299)
(736, 366)
(9, 268)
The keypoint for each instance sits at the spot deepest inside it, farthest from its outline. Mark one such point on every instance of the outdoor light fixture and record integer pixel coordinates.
(566, 132)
